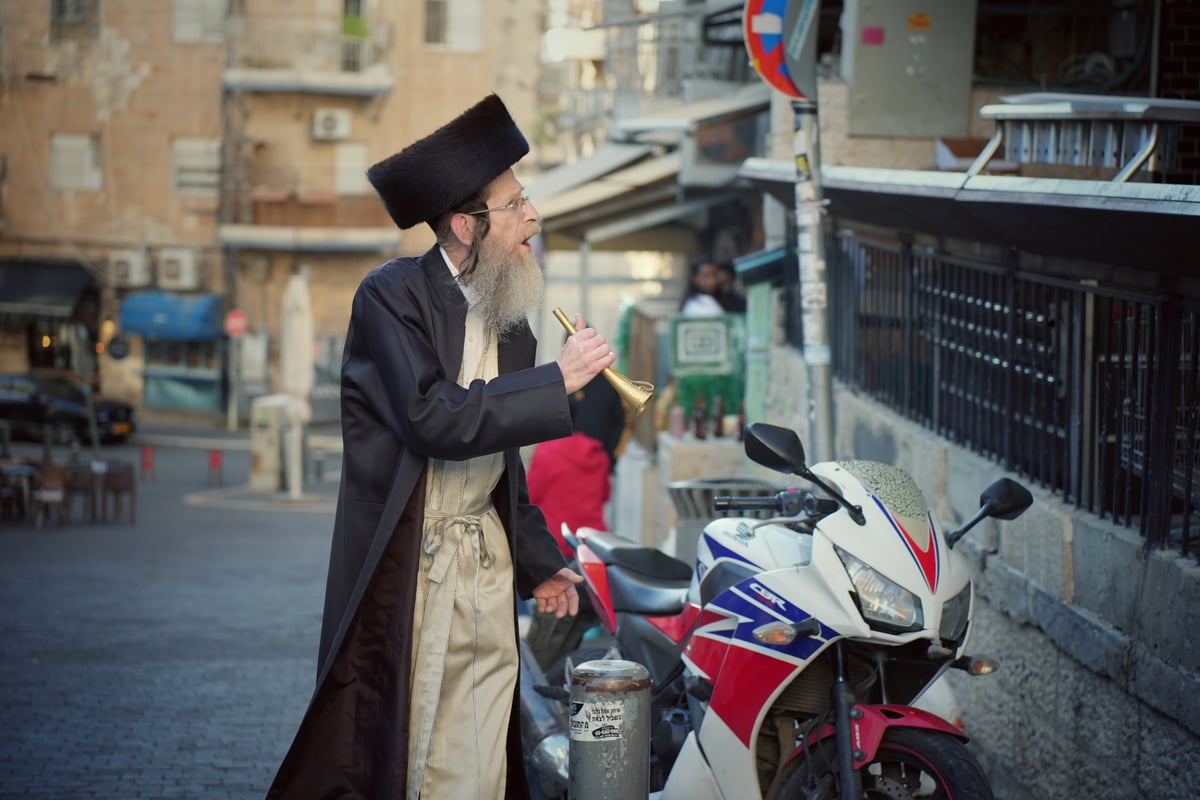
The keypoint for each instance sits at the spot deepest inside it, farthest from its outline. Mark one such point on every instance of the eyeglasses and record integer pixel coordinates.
(518, 204)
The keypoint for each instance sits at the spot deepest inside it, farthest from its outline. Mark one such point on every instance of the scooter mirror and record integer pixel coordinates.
(774, 447)
(1006, 499)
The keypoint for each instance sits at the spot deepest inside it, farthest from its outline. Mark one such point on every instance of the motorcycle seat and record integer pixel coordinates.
(633, 593)
(616, 551)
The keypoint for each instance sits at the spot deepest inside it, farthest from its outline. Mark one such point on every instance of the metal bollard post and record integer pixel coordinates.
(147, 463)
(610, 731)
(214, 467)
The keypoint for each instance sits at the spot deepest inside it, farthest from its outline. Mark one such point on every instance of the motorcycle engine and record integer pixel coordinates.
(667, 738)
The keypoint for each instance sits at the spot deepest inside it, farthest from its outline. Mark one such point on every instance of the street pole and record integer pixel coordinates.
(814, 293)
(83, 353)
(233, 368)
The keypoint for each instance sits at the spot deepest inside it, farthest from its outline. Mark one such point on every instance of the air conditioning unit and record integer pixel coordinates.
(331, 124)
(178, 268)
(129, 269)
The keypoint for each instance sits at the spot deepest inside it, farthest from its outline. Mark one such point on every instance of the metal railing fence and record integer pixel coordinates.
(1089, 391)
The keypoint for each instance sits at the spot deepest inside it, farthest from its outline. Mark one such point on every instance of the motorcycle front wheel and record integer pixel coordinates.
(910, 764)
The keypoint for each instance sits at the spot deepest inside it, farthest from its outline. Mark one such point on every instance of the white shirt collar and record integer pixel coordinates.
(469, 292)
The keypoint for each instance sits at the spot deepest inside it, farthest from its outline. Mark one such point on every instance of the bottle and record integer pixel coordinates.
(699, 420)
(741, 419)
(718, 417)
(676, 425)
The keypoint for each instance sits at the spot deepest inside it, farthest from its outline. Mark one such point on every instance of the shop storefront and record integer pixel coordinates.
(48, 316)
(183, 349)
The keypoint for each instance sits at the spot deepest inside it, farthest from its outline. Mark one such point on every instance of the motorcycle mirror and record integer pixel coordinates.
(1006, 499)
(774, 447)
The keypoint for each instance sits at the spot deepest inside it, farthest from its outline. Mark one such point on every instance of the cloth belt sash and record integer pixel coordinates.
(447, 537)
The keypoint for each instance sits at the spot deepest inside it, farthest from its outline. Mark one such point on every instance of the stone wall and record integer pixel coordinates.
(1098, 693)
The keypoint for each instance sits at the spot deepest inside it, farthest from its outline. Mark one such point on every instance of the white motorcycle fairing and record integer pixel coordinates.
(750, 574)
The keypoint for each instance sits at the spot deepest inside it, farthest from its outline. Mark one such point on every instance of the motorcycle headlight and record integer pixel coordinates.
(883, 602)
(954, 616)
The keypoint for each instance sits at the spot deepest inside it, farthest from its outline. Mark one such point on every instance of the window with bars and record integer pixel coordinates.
(350, 169)
(195, 165)
(74, 18)
(455, 25)
(435, 21)
(198, 21)
(355, 55)
(75, 161)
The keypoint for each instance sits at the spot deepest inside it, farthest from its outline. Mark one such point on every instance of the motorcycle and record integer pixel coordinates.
(786, 664)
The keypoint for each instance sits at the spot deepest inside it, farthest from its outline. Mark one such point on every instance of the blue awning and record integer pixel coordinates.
(766, 266)
(159, 315)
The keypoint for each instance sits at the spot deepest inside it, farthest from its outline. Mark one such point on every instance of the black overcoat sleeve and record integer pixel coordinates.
(411, 335)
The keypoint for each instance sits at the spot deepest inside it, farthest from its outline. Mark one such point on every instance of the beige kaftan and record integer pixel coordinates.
(464, 658)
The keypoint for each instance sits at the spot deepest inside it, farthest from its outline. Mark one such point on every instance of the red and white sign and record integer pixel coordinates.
(235, 322)
(763, 34)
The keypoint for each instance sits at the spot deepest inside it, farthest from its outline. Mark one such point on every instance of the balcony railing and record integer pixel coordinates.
(679, 54)
(317, 210)
(316, 44)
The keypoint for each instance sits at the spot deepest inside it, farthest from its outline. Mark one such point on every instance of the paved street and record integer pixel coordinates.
(168, 659)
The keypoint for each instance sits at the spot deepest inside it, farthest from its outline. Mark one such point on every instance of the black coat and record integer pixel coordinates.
(401, 406)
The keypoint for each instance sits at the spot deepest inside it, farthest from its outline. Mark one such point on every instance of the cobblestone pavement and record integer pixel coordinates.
(171, 658)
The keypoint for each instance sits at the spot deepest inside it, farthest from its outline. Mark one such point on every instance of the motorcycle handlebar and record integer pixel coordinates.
(790, 503)
(746, 503)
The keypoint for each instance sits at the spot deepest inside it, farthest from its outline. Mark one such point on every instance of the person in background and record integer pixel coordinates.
(596, 410)
(700, 299)
(731, 300)
(569, 479)
(434, 534)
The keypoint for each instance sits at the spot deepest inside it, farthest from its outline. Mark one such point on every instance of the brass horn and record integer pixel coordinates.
(634, 394)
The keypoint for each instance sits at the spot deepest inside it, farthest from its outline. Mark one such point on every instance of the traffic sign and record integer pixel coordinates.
(118, 347)
(800, 45)
(235, 322)
(763, 32)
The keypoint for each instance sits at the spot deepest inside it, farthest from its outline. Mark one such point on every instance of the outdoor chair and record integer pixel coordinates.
(50, 495)
(119, 480)
(81, 483)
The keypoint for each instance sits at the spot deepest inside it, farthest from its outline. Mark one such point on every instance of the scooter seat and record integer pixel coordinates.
(632, 593)
(647, 562)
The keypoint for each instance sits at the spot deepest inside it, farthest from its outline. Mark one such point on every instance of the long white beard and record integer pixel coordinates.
(509, 286)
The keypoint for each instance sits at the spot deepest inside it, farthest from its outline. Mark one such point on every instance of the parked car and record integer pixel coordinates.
(54, 404)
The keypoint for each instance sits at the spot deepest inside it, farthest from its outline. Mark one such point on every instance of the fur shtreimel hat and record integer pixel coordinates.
(437, 173)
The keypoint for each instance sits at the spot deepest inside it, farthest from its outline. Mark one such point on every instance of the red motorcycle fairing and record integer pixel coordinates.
(679, 626)
(869, 729)
(595, 572)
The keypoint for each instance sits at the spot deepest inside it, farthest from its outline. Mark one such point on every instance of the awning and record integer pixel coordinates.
(653, 172)
(686, 118)
(41, 288)
(605, 159)
(1133, 224)
(159, 315)
(766, 266)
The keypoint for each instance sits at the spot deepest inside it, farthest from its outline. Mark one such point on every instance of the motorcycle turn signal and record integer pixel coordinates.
(976, 665)
(784, 633)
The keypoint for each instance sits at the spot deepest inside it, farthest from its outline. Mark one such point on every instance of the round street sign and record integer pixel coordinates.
(118, 347)
(235, 322)
(762, 29)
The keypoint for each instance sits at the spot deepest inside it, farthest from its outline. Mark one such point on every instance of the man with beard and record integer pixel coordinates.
(434, 535)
